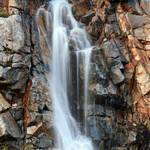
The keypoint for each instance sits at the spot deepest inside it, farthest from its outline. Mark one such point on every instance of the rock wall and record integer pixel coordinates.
(120, 84)
(118, 110)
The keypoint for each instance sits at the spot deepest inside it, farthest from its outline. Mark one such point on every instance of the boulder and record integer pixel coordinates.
(137, 21)
(17, 77)
(8, 126)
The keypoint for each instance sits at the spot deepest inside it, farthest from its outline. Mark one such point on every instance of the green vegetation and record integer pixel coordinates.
(3, 13)
(29, 147)
(5, 147)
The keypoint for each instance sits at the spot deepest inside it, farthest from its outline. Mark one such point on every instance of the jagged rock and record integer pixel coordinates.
(32, 129)
(40, 101)
(3, 103)
(109, 50)
(145, 4)
(111, 88)
(15, 76)
(137, 21)
(98, 89)
(88, 17)
(5, 59)
(95, 27)
(11, 35)
(9, 126)
(95, 110)
(19, 61)
(17, 112)
(44, 141)
(123, 22)
(139, 33)
(143, 78)
(117, 75)
(143, 33)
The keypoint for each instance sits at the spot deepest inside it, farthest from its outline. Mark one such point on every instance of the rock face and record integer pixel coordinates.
(9, 126)
(12, 34)
(119, 86)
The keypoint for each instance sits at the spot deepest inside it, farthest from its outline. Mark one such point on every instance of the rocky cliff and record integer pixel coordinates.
(119, 107)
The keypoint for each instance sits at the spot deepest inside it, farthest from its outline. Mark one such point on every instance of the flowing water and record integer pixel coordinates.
(57, 29)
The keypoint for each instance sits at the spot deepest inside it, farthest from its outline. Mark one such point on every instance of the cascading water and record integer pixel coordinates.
(59, 28)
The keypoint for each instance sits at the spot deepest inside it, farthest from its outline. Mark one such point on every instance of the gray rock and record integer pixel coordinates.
(100, 89)
(110, 49)
(117, 75)
(44, 141)
(17, 113)
(1, 71)
(95, 110)
(108, 29)
(12, 35)
(137, 21)
(5, 59)
(9, 126)
(16, 78)
(1, 48)
(139, 33)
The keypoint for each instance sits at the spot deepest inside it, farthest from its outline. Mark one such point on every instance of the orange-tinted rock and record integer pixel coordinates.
(143, 78)
(81, 8)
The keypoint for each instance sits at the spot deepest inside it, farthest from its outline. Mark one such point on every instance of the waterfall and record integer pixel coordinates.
(57, 29)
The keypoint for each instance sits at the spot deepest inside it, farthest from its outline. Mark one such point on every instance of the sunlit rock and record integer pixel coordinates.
(14, 6)
(139, 33)
(117, 75)
(32, 129)
(12, 35)
(137, 21)
(3, 103)
(143, 78)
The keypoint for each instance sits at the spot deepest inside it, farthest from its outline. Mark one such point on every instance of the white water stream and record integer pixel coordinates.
(59, 28)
